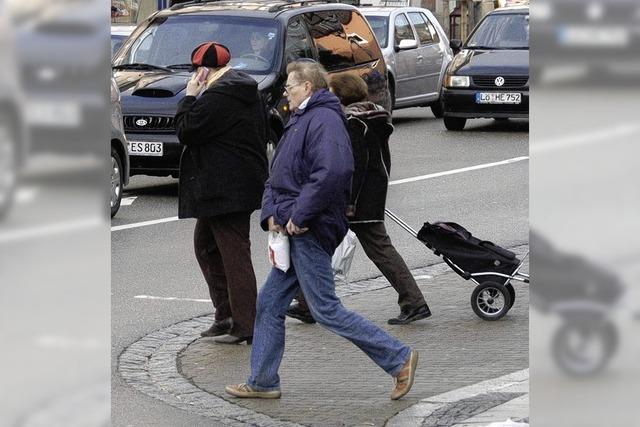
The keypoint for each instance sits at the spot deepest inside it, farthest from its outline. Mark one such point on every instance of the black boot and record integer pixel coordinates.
(297, 311)
(222, 327)
(411, 315)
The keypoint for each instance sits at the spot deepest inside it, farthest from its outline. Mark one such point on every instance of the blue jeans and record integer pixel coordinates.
(311, 269)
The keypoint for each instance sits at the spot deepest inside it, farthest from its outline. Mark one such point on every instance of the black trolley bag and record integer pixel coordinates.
(489, 266)
(468, 252)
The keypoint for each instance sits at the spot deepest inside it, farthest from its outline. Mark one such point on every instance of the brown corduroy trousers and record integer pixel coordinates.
(223, 250)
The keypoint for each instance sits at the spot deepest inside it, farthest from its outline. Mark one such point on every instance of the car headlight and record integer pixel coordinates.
(456, 81)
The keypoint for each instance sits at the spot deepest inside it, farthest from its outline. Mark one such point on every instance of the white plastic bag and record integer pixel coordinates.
(279, 250)
(343, 256)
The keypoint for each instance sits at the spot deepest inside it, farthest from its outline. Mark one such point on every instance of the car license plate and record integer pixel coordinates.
(589, 36)
(498, 98)
(145, 148)
(54, 114)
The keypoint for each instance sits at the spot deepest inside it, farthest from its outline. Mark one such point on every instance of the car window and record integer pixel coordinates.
(116, 43)
(361, 39)
(420, 24)
(170, 41)
(434, 33)
(501, 31)
(380, 27)
(403, 29)
(329, 34)
(297, 42)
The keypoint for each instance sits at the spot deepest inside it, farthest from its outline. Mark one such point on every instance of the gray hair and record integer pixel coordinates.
(312, 72)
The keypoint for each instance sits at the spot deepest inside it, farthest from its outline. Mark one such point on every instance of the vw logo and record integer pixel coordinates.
(499, 81)
(141, 122)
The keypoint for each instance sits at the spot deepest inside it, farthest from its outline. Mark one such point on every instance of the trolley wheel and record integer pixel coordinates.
(512, 294)
(584, 350)
(490, 300)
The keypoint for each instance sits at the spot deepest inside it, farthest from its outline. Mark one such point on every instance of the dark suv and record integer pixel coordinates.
(152, 68)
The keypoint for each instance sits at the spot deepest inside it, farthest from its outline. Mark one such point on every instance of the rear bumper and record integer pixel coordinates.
(462, 103)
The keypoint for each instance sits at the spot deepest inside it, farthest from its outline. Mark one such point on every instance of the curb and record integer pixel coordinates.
(445, 409)
(150, 366)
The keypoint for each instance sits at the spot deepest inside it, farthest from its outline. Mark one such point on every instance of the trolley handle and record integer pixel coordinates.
(401, 223)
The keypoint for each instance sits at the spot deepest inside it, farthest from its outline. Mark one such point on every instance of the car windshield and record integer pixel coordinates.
(380, 27)
(170, 40)
(501, 31)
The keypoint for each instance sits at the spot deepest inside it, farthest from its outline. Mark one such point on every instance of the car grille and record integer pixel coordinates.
(68, 80)
(148, 124)
(509, 81)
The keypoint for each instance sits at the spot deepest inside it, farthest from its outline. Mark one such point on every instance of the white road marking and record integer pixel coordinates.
(63, 342)
(462, 170)
(171, 298)
(26, 194)
(400, 181)
(144, 223)
(51, 229)
(128, 201)
(609, 135)
(423, 276)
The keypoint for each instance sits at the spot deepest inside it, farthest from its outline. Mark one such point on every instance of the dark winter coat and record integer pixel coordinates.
(311, 172)
(369, 128)
(224, 164)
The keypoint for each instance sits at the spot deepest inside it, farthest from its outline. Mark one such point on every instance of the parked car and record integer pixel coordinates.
(61, 71)
(119, 151)
(597, 42)
(14, 145)
(119, 34)
(153, 66)
(416, 51)
(489, 76)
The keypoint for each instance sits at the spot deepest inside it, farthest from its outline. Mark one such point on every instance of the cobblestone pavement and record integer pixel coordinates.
(326, 381)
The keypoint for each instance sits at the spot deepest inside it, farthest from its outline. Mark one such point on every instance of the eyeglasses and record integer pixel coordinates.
(288, 87)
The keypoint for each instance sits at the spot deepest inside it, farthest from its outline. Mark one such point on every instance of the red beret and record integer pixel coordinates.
(210, 54)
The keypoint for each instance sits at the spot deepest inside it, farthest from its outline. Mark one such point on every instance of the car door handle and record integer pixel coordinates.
(419, 57)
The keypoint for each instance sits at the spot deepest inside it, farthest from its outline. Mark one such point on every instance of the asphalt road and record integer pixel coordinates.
(157, 260)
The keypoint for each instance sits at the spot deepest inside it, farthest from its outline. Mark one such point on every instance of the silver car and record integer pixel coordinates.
(416, 50)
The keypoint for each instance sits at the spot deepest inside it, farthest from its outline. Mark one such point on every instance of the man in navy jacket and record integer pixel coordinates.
(306, 196)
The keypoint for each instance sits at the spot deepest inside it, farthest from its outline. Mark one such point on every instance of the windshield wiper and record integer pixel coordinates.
(141, 66)
(481, 47)
(180, 66)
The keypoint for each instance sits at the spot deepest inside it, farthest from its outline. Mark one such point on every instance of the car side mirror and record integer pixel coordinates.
(455, 45)
(406, 45)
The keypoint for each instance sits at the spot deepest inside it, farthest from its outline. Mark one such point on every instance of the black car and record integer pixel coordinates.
(153, 66)
(119, 155)
(588, 42)
(62, 75)
(14, 145)
(489, 76)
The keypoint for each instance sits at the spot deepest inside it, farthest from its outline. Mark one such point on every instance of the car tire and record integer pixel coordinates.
(8, 168)
(437, 109)
(454, 123)
(392, 97)
(117, 181)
